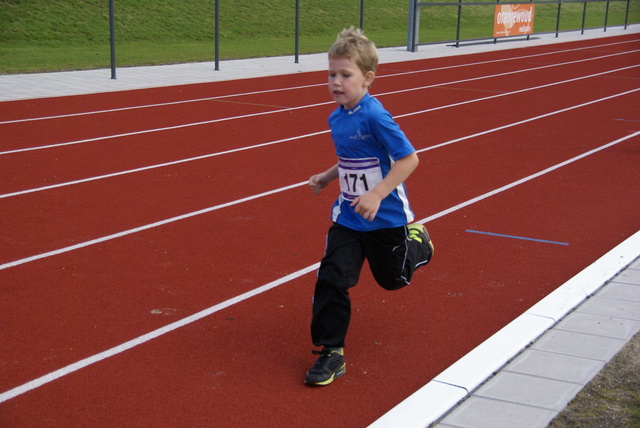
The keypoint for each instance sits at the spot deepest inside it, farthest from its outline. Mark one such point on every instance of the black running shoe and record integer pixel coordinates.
(328, 367)
(419, 233)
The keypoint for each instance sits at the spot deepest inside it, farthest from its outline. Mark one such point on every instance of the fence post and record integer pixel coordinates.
(459, 18)
(529, 35)
(297, 37)
(558, 19)
(362, 15)
(495, 39)
(217, 36)
(414, 25)
(626, 15)
(112, 39)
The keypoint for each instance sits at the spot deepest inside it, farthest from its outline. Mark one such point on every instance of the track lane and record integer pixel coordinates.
(57, 218)
(141, 98)
(78, 161)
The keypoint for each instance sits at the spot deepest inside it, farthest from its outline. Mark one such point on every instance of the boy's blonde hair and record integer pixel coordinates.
(353, 44)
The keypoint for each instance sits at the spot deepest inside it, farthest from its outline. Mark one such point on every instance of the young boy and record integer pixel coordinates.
(372, 211)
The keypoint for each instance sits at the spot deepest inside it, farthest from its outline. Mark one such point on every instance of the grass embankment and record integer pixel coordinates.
(41, 35)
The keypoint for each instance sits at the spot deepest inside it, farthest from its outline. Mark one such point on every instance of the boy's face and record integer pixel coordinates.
(347, 83)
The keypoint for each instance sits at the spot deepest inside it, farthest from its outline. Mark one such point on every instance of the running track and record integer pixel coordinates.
(158, 246)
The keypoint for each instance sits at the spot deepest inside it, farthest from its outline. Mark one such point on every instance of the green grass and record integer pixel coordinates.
(45, 35)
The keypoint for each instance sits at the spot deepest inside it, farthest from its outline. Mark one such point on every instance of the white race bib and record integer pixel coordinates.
(358, 176)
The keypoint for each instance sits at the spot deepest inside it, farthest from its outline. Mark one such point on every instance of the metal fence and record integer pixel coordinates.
(416, 7)
(414, 25)
(216, 33)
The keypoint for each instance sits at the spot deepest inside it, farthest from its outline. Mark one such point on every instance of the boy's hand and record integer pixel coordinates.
(317, 183)
(367, 205)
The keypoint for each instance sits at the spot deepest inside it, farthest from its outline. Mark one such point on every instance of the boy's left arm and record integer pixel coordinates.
(367, 205)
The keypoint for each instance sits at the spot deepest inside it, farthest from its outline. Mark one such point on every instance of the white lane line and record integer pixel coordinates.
(249, 198)
(163, 129)
(160, 165)
(528, 178)
(266, 91)
(194, 100)
(145, 227)
(149, 336)
(531, 119)
(290, 109)
(149, 167)
(295, 275)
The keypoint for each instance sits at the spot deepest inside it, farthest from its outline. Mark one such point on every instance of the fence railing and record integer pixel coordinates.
(414, 27)
(416, 7)
(216, 33)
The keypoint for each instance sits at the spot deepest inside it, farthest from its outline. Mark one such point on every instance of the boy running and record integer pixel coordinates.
(371, 215)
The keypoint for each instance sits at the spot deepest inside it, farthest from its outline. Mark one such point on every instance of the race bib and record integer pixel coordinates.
(358, 176)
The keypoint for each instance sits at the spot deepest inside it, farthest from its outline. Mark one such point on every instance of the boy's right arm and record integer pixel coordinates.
(319, 181)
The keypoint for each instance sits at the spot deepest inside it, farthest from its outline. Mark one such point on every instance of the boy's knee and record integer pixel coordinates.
(392, 284)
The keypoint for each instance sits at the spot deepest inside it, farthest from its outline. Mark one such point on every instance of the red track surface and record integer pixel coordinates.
(480, 122)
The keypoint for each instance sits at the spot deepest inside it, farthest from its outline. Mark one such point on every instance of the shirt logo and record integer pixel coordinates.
(360, 136)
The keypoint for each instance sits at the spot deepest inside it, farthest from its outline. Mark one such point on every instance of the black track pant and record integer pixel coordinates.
(392, 258)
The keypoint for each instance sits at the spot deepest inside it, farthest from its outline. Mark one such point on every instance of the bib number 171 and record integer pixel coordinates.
(352, 182)
(358, 176)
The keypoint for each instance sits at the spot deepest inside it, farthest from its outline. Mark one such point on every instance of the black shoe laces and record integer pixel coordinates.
(325, 358)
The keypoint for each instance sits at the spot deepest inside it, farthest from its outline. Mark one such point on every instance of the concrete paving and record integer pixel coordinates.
(525, 374)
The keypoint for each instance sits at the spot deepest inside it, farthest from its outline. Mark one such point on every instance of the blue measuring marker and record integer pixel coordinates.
(517, 237)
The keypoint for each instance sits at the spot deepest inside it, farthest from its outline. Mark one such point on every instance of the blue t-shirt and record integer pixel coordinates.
(368, 142)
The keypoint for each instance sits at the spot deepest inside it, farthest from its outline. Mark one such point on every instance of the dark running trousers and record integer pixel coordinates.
(392, 259)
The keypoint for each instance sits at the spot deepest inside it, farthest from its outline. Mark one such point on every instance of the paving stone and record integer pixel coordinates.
(579, 345)
(478, 412)
(556, 366)
(533, 391)
(612, 307)
(599, 325)
(619, 289)
(629, 276)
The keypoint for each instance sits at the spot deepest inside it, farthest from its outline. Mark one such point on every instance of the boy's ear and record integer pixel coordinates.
(368, 78)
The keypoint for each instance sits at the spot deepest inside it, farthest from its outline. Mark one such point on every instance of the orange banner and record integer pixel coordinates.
(513, 20)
